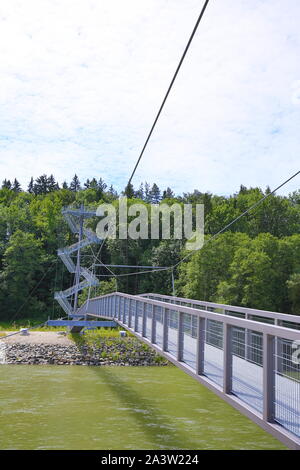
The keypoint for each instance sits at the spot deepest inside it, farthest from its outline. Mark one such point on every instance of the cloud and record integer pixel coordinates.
(81, 82)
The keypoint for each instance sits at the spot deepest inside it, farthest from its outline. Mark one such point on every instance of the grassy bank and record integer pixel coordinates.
(27, 323)
(113, 347)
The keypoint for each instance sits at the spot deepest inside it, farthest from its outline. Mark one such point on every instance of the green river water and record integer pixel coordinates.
(79, 407)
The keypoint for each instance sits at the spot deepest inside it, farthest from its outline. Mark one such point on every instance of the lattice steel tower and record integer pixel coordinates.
(75, 219)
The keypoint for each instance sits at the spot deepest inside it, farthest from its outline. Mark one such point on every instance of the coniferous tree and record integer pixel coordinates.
(140, 192)
(155, 194)
(243, 189)
(65, 185)
(16, 187)
(41, 185)
(129, 191)
(30, 186)
(102, 185)
(87, 184)
(112, 191)
(75, 184)
(94, 184)
(147, 195)
(168, 194)
(6, 184)
(52, 184)
(268, 190)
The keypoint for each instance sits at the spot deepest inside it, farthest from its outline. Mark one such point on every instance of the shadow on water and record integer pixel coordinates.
(162, 432)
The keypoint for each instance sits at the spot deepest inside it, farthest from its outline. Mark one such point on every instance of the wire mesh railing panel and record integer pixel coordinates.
(213, 351)
(198, 306)
(234, 314)
(119, 308)
(287, 385)
(254, 347)
(239, 342)
(148, 329)
(126, 311)
(247, 371)
(113, 306)
(158, 312)
(214, 333)
(117, 303)
(189, 340)
(287, 324)
(173, 332)
(235, 311)
(261, 319)
(139, 320)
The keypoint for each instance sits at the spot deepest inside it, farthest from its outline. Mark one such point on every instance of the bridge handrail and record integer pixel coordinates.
(276, 316)
(274, 330)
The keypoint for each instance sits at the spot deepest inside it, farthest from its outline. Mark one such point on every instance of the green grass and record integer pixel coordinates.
(28, 323)
(292, 374)
(94, 337)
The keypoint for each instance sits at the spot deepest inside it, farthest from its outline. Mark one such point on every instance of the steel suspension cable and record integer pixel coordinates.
(169, 88)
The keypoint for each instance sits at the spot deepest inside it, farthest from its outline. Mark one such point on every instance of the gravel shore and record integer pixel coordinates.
(53, 348)
(39, 337)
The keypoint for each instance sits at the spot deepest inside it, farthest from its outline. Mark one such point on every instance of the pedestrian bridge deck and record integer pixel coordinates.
(244, 355)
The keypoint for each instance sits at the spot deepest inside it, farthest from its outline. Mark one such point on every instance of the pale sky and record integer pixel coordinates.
(82, 80)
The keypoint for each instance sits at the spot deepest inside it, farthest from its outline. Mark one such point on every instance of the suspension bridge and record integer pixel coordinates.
(248, 357)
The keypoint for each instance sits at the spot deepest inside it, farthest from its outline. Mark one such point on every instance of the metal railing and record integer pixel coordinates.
(251, 364)
(275, 318)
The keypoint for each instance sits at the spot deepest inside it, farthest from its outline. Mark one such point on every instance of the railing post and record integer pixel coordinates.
(129, 313)
(268, 377)
(120, 308)
(278, 350)
(248, 344)
(227, 358)
(109, 305)
(200, 345)
(153, 325)
(124, 310)
(116, 305)
(165, 329)
(247, 341)
(136, 316)
(144, 319)
(180, 337)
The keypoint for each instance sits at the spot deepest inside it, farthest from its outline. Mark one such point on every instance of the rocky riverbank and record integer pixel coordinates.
(107, 352)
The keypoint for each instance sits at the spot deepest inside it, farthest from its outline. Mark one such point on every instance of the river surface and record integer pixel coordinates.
(79, 407)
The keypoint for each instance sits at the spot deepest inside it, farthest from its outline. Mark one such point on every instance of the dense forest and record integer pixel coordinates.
(255, 263)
